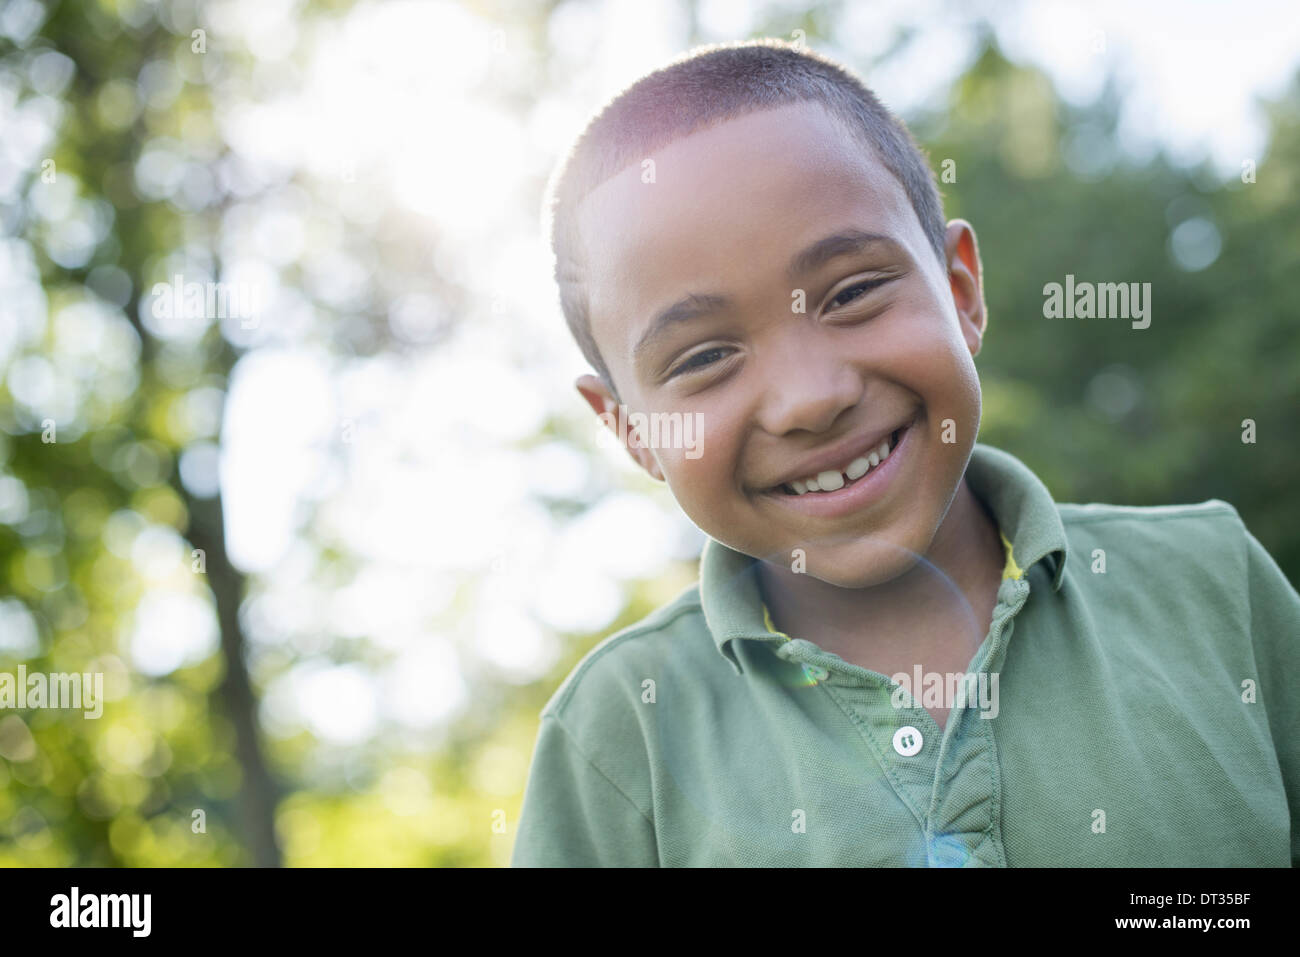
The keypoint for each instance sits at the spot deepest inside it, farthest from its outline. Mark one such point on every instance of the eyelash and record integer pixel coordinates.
(866, 285)
(690, 365)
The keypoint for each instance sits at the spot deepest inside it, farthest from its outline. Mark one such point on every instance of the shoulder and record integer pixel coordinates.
(605, 707)
(1212, 520)
(613, 673)
(1212, 510)
(1203, 545)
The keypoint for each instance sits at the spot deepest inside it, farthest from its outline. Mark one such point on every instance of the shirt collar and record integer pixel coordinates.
(1022, 506)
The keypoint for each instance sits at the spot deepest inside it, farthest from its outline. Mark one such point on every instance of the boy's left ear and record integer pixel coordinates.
(966, 278)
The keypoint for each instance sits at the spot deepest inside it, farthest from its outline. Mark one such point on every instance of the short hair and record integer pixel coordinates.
(705, 87)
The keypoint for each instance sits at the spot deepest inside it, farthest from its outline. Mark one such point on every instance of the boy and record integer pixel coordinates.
(901, 650)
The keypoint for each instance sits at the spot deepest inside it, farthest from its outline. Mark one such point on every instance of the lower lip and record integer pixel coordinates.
(865, 491)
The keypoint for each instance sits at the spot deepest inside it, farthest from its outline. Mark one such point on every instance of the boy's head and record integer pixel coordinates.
(819, 304)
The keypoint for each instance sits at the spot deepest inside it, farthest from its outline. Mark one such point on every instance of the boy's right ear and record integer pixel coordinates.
(598, 396)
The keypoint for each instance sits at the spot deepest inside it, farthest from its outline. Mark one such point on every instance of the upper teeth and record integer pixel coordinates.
(833, 479)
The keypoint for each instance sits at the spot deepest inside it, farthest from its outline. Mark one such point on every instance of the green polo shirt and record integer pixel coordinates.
(1147, 715)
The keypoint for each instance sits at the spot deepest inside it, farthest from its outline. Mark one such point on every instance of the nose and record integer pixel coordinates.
(807, 388)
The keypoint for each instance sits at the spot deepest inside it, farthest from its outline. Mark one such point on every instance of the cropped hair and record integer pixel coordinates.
(705, 87)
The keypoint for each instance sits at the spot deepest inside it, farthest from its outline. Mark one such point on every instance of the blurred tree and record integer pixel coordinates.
(132, 84)
(1101, 410)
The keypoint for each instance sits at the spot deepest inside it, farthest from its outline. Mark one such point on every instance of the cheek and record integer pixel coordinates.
(703, 465)
(699, 479)
(929, 344)
(963, 381)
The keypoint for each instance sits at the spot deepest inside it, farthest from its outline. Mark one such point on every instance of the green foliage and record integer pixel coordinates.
(1105, 412)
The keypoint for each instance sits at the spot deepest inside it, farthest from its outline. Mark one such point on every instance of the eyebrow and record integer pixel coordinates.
(843, 243)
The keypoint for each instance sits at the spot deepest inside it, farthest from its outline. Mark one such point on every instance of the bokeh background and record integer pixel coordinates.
(333, 561)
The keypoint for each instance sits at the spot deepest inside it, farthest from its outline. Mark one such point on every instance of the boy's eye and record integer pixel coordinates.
(701, 360)
(865, 287)
(693, 363)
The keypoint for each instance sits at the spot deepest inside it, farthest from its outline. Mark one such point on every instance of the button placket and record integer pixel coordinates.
(797, 651)
(912, 711)
(1012, 595)
(967, 749)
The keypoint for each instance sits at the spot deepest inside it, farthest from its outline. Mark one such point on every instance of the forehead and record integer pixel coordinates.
(727, 209)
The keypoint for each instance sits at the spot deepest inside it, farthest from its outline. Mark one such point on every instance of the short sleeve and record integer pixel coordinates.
(573, 815)
(1275, 631)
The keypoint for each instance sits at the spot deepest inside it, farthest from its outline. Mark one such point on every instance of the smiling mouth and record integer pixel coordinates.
(833, 480)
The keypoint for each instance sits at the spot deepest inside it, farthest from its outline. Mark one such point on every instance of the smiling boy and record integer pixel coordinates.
(747, 236)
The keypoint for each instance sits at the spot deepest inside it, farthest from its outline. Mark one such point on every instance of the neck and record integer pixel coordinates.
(966, 551)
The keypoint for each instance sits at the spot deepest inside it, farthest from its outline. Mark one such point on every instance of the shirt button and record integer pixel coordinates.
(816, 672)
(907, 741)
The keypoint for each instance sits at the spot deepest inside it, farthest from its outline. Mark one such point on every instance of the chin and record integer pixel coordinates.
(875, 565)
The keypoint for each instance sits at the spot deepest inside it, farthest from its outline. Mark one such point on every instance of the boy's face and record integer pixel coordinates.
(782, 394)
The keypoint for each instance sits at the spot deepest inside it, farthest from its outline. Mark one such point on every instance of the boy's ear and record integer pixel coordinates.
(606, 407)
(966, 278)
